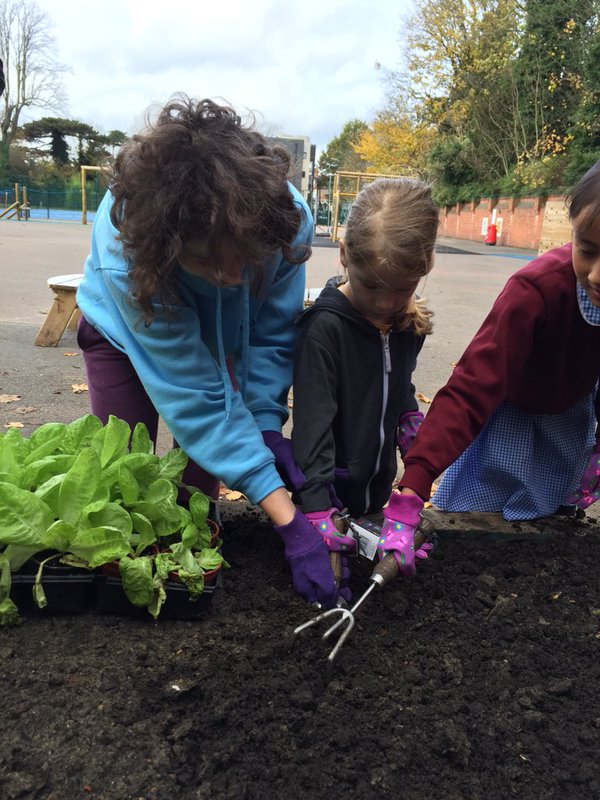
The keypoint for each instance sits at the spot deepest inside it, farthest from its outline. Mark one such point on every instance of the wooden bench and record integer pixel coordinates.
(63, 313)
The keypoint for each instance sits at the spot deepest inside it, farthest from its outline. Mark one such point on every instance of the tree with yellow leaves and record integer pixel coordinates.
(395, 145)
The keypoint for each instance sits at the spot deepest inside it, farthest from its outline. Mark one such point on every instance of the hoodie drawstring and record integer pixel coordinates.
(245, 348)
(245, 338)
(222, 361)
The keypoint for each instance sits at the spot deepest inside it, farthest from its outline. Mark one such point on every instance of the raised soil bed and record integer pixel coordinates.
(477, 680)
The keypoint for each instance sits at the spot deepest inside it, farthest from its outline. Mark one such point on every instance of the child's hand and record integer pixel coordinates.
(589, 488)
(402, 516)
(408, 425)
(308, 558)
(323, 522)
(288, 470)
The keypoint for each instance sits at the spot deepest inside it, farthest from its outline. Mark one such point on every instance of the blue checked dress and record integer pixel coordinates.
(524, 465)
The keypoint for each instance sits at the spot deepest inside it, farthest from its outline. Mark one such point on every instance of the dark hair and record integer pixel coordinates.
(197, 171)
(584, 198)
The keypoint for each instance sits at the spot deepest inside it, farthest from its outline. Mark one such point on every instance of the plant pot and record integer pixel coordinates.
(178, 604)
(68, 590)
(111, 599)
(215, 534)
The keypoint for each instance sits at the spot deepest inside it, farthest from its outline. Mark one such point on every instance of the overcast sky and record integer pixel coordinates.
(307, 67)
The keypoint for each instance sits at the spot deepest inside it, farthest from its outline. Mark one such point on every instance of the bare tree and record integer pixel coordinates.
(32, 73)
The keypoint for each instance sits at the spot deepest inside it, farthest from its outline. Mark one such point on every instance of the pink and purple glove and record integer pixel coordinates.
(402, 516)
(324, 524)
(308, 558)
(589, 487)
(289, 472)
(408, 425)
(336, 542)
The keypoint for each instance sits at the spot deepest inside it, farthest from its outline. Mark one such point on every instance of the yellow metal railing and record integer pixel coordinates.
(349, 184)
(84, 171)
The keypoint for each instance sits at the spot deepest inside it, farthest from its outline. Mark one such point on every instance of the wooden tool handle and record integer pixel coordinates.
(387, 569)
(335, 557)
(336, 566)
(424, 530)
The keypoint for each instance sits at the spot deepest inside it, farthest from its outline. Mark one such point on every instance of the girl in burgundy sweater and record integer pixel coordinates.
(516, 425)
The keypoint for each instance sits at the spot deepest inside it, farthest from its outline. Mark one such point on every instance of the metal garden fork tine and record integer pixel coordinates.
(383, 573)
(345, 615)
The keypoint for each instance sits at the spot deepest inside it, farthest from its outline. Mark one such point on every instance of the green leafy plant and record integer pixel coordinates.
(93, 494)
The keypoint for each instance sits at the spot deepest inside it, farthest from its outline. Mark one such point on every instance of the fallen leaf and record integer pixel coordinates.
(434, 487)
(453, 364)
(231, 495)
(70, 354)
(427, 505)
(79, 387)
(9, 398)
(422, 398)
(14, 425)
(555, 596)
(26, 409)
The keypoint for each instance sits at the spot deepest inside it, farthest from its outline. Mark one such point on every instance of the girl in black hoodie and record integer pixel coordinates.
(354, 401)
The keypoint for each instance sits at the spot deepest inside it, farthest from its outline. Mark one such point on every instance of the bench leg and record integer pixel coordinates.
(72, 326)
(57, 319)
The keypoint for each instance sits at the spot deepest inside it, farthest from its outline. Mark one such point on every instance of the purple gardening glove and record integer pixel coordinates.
(340, 475)
(589, 487)
(408, 425)
(345, 590)
(401, 518)
(324, 524)
(308, 558)
(336, 542)
(288, 470)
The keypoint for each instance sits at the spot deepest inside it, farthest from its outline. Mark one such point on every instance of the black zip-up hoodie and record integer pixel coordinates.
(351, 385)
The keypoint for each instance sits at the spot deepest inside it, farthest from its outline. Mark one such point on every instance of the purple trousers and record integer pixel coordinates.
(115, 388)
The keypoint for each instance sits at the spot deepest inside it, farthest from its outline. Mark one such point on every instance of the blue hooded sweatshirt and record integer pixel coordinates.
(181, 356)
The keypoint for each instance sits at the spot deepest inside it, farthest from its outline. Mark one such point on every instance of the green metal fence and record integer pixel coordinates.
(54, 202)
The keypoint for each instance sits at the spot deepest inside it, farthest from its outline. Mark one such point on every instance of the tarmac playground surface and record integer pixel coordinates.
(460, 289)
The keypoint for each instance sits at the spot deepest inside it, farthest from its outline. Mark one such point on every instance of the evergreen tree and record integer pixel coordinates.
(339, 155)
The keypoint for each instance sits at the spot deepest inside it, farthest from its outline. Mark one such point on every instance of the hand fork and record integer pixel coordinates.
(383, 573)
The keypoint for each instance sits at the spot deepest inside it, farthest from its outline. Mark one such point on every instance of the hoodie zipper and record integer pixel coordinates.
(387, 368)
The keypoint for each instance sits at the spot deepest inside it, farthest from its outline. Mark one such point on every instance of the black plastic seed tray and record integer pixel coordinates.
(111, 599)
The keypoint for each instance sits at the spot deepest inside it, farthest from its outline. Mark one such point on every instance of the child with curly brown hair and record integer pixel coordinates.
(188, 298)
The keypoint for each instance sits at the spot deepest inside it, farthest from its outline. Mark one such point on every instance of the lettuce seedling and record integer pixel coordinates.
(92, 494)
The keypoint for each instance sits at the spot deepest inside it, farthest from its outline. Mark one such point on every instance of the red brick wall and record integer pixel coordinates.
(522, 220)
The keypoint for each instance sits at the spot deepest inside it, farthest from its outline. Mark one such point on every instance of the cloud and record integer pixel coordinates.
(307, 68)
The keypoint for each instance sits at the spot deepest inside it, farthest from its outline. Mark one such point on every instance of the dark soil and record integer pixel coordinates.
(477, 680)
